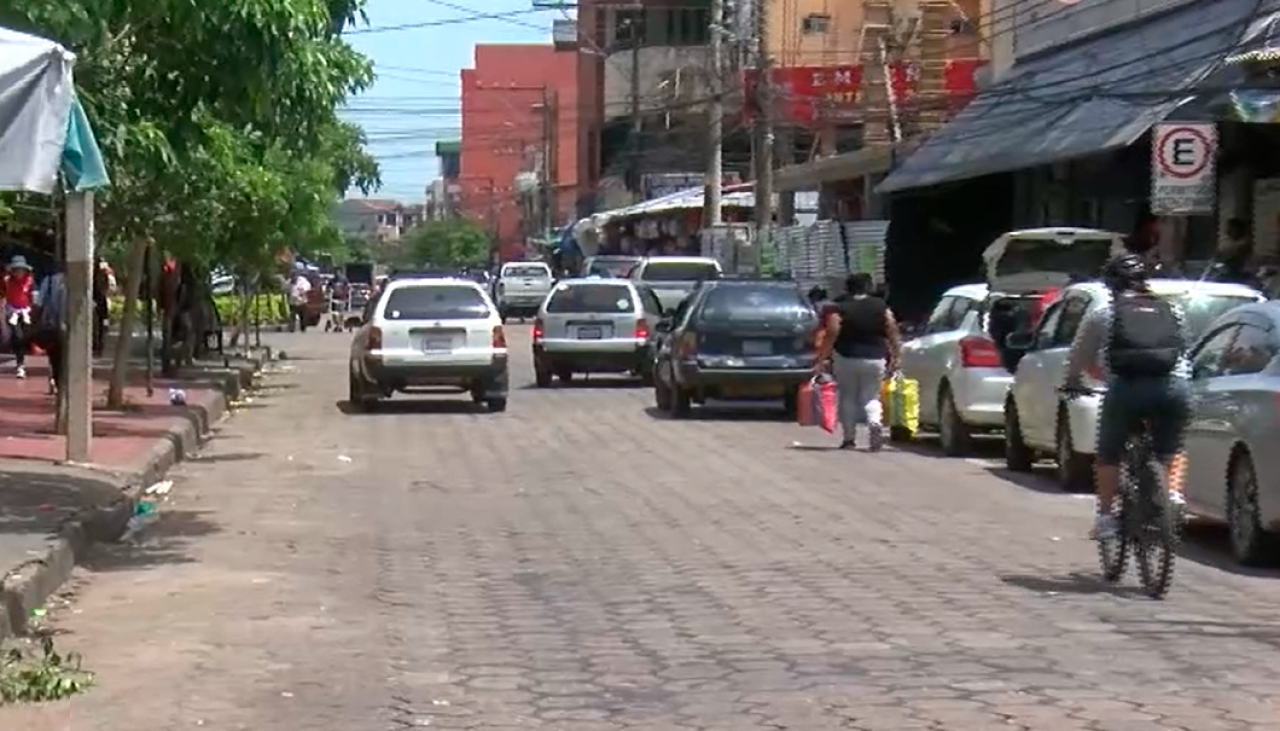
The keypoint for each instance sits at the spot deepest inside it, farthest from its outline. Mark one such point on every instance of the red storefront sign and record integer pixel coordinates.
(807, 95)
(804, 95)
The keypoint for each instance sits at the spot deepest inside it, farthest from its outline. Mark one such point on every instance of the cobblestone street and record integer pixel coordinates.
(579, 564)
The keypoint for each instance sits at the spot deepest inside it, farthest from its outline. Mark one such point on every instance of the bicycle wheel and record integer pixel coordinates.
(1113, 552)
(1158, 530)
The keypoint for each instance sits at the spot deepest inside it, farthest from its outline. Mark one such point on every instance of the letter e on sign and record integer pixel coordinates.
(1183, 152)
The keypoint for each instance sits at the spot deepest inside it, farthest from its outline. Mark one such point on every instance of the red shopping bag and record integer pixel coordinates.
(817, 403)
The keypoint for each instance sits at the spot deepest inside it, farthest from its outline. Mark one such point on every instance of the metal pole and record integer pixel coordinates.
(637, 125)
(79, 346)
(763, 128)
(715, 167)
(151, 316)
(545, 173)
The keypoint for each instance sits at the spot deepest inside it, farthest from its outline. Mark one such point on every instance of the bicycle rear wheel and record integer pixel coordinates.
(1158, 530)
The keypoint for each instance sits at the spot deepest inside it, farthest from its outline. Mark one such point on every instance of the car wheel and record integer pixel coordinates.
(541, 377)
(355, 392)
(496, 405)
(681, 402)
(646, 374)
(1018, 457)
(1251, 544)
(565, 376)
(477, 393)
(661, 396)
(791, 404)
(952, 431)
(1075, 470)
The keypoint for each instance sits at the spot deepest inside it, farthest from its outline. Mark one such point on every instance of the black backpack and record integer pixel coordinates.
(1146, 337)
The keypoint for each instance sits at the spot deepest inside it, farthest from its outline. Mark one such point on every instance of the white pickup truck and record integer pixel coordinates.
(521, 288)
(673, 278)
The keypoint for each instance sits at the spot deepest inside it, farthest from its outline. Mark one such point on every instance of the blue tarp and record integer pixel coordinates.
(81, 159)
(1101, 94)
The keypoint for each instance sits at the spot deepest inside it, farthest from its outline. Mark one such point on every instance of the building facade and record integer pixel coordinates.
(444, 194)
(377, 219)
(518, 117)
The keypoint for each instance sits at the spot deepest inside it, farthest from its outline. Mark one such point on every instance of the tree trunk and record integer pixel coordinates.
(133, 285)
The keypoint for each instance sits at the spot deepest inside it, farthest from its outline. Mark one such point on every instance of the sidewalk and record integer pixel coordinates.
(50, 512)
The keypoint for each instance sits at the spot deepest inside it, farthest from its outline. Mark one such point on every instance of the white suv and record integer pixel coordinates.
(428, 335)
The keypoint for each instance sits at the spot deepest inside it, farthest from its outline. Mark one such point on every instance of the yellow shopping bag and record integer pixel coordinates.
(900, 397)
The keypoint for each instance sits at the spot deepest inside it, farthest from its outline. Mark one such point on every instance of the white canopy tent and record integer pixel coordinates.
(45, 132)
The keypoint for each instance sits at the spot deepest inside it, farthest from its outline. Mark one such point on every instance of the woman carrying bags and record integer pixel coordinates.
(19, 285)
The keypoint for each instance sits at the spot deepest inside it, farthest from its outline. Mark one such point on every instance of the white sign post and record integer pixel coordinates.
(1183, 179)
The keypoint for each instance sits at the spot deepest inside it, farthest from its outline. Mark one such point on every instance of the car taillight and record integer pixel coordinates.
(977, 351)
(642, 330)
(537, 329)
(375, 339)
(499, 337)
(688, 345)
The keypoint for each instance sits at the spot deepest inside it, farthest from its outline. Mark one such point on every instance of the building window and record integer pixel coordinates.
(814, 23)
(629, 26)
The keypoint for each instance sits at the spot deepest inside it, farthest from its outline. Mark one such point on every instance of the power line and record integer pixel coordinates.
(473, 17)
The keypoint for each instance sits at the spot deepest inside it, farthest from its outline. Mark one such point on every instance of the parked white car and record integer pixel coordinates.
(430, 335)
(963, 373)
(1038, 420)
(963, 381)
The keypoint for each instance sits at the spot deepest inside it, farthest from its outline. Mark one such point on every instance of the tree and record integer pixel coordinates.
(218, 123)
(454, 242)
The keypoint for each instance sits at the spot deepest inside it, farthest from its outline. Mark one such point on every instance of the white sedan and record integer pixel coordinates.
(1038, 420)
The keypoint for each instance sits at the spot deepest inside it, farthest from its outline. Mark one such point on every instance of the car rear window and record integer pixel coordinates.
(529, 270)
(1083, 256)
(755, 304)
(1200, 310)
(611, 267)
(591, 298)
(679, 271)
(440, 302)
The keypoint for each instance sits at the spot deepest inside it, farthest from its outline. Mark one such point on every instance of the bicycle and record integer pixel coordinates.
(1149, 523)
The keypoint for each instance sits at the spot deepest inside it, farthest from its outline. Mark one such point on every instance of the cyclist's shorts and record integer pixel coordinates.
(1163, 403)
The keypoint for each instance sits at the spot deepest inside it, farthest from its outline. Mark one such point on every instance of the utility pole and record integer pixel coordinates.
(637, 124)
(547, 174)
(715, 122)
(763, 126)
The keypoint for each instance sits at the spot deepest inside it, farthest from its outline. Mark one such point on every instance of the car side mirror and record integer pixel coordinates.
(664, 326)
(1021, 341)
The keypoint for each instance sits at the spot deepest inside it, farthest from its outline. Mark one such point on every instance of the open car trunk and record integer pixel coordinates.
(1023, 266)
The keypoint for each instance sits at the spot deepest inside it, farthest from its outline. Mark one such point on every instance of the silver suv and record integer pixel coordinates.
(595, 326)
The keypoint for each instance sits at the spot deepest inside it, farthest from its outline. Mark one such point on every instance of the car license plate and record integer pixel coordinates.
(757, 347)
(590, 333)
(437, 345)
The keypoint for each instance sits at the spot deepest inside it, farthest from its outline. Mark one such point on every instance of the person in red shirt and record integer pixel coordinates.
(19, 285)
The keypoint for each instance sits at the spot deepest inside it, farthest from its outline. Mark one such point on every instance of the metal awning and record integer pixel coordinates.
(1101, 94)
(845, 166)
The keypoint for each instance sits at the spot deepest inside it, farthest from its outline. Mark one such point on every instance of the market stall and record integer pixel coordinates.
(46, 133)
(666, 225)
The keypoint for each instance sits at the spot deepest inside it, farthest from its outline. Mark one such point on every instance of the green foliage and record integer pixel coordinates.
(269, 309)
(454, 242)
(36, 672)
(217, 120)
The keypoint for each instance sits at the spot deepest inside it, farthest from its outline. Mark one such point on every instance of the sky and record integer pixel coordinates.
(415, 100)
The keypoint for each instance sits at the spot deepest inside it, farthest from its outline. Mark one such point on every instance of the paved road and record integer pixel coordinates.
(577, 564)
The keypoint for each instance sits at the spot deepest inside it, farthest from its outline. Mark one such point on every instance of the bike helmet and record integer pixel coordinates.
(1125, 271)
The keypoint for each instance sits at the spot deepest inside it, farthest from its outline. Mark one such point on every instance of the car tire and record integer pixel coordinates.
(541, 377)
(791, 404)
(1251, 544)
(1018, 457)
(496, 405)
(646, 374)
(1075, 470)
(355, 393)
(681, 402)
(661, 396)
(953, 433)
(565, 376)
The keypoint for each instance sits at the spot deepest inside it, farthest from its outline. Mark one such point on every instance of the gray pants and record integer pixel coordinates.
(859, 381)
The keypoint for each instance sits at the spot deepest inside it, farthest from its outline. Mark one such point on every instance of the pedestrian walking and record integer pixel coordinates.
(18, 290)
(50, 326)
(860, 343)
(299, 294)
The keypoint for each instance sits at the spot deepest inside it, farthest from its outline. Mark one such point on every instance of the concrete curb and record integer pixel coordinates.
(28, 586)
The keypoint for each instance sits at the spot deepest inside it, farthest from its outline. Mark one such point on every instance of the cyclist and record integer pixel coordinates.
(1138, 342)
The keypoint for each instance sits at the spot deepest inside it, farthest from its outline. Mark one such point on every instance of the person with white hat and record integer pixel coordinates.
(19, 284)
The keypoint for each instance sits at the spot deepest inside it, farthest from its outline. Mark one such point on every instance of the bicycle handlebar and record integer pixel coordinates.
(1070, 391)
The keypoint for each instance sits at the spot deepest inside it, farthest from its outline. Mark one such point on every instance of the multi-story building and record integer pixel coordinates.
(445, 192)
(651, 63)
(518, 117)
(377, 219)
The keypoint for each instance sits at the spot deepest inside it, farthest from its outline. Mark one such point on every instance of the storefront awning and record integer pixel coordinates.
(1101, 94)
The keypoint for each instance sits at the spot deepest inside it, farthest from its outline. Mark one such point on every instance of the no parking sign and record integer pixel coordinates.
(1183, 182)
